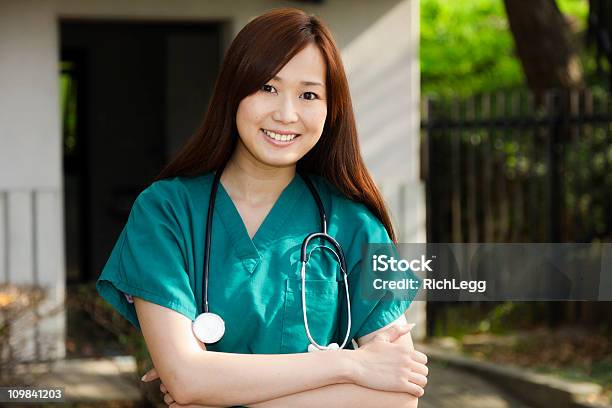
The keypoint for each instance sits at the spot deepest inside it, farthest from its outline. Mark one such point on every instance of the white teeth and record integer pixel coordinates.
(280, 138)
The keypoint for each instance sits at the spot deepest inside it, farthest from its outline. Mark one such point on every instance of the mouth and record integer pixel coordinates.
(281, 139)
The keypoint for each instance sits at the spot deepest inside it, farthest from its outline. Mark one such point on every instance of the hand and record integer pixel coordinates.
(390, 365)
(168, 398)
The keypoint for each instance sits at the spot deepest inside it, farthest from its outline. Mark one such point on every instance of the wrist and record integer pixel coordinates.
(346, 366)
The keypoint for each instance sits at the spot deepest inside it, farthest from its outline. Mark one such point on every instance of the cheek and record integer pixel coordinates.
(250, 111)
(316, 118)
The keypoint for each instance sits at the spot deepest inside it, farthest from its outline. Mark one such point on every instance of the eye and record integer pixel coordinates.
(268, 88)
(310, 96)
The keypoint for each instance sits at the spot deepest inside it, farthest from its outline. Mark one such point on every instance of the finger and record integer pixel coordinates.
(163, 388)
(150, 375)
(168, 398)
(418, 379)
(414, 389)
(419, 357)
(419, 368)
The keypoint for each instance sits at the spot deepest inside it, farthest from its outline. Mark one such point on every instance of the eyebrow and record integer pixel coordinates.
(279, 79)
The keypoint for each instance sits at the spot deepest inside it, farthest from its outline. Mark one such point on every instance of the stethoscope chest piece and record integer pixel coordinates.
(208, 327)
(332, 346)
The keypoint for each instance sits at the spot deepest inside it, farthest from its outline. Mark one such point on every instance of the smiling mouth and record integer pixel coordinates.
(279, 137)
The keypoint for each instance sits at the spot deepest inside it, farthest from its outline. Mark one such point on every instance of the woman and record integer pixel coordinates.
(280, 115)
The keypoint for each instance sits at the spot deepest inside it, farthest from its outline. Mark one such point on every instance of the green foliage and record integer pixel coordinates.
(577, 9)
(466, 46)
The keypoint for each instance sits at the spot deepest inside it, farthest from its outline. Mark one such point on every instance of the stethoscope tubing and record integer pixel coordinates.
(208, 234)
(303, 256)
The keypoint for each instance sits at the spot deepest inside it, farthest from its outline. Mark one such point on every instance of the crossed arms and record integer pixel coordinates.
(384, 371)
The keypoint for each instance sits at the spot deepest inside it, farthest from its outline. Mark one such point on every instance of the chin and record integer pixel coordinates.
(280, 163)
(278, 160)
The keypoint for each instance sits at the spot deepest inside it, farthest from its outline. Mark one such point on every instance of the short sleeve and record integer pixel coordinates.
(377, 313)
(148, 260)
(371, 310)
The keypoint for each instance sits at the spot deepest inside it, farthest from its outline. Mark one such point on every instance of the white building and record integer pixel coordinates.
(142, 71)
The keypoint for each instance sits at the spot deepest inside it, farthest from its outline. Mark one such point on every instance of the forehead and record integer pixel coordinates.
(306, 65)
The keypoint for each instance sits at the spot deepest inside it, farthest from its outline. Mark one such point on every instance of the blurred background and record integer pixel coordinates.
(480, 120)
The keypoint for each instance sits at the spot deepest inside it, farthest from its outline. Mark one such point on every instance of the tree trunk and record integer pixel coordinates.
(544, 45)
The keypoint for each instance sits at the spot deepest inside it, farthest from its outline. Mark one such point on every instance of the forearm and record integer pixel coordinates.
(342, 395)
(225, 379)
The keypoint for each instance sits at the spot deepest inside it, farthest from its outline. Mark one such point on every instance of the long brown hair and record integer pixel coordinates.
(257, 53)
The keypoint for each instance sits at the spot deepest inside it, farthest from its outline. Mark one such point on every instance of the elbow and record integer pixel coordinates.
(178, 388)
(191, 398)
(186, 394)
(183, 395)
(186, 385)
(182, 398)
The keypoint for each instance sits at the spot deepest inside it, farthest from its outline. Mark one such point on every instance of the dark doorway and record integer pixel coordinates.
(131, 94)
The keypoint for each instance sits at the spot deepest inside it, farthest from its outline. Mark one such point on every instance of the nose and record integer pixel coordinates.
(285, 112)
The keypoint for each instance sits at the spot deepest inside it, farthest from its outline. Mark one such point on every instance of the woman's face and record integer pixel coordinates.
(284, 119)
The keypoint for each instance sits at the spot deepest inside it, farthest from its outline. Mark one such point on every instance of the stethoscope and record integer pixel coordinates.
(209, 327)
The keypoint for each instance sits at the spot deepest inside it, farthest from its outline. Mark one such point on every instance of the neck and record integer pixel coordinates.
(247, 179)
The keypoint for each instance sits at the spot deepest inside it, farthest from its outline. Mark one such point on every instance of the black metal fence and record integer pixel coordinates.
(501, 168)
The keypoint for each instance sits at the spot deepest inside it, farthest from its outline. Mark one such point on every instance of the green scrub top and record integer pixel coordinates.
(254, 284)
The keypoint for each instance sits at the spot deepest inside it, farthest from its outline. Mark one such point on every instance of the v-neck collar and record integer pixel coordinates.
(249, 249)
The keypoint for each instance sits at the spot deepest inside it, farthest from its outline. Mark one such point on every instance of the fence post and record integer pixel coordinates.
(558, 131)
(432, 308)
(558, 128)
(552, 163)
(426, 170)
(456, 170)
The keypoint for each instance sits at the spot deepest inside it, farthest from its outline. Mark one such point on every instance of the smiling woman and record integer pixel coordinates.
(276, 157)
(288, 111)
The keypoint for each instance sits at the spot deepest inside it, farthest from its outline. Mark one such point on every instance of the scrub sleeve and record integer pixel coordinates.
(373, 314)
(148, 260)
(370, 310)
